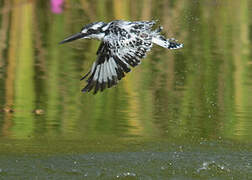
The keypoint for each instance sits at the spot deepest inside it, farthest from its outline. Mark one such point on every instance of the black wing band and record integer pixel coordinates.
(109, 68)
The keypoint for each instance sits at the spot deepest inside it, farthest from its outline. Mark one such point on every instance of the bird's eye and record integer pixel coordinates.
(91, 31)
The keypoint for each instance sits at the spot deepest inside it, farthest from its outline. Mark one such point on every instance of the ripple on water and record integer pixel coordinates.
(212, 165)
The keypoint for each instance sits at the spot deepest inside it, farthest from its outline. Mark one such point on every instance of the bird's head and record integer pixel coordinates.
(94, 30)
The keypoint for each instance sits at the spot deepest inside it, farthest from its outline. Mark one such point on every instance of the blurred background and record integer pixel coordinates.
(198, 94)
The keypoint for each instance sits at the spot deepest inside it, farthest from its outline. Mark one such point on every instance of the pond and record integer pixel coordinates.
(181, 114)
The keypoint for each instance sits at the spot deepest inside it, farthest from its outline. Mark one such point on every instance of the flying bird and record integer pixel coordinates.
(123, 45)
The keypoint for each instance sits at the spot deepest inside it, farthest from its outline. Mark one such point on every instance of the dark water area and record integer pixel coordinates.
(181, 114)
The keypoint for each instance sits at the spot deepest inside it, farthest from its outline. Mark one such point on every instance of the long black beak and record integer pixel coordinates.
(73, 37)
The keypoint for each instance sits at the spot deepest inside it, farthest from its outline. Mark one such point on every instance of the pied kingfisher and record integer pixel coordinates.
(123, 45)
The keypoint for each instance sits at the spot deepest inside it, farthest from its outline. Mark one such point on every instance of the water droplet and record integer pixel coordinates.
(125, 174)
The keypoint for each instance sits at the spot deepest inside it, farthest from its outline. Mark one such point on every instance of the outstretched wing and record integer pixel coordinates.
(111, 64)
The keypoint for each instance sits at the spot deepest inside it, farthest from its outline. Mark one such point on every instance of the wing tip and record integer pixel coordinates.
(85, 75)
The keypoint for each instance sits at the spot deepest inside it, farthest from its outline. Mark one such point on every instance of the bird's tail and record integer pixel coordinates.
(166, 43)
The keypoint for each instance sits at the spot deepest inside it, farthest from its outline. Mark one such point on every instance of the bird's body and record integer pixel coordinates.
(123, 45)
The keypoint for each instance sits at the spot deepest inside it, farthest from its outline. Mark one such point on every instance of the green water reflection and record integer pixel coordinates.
(201, 92)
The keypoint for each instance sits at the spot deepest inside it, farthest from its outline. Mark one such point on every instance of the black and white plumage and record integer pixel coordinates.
(123, 45)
